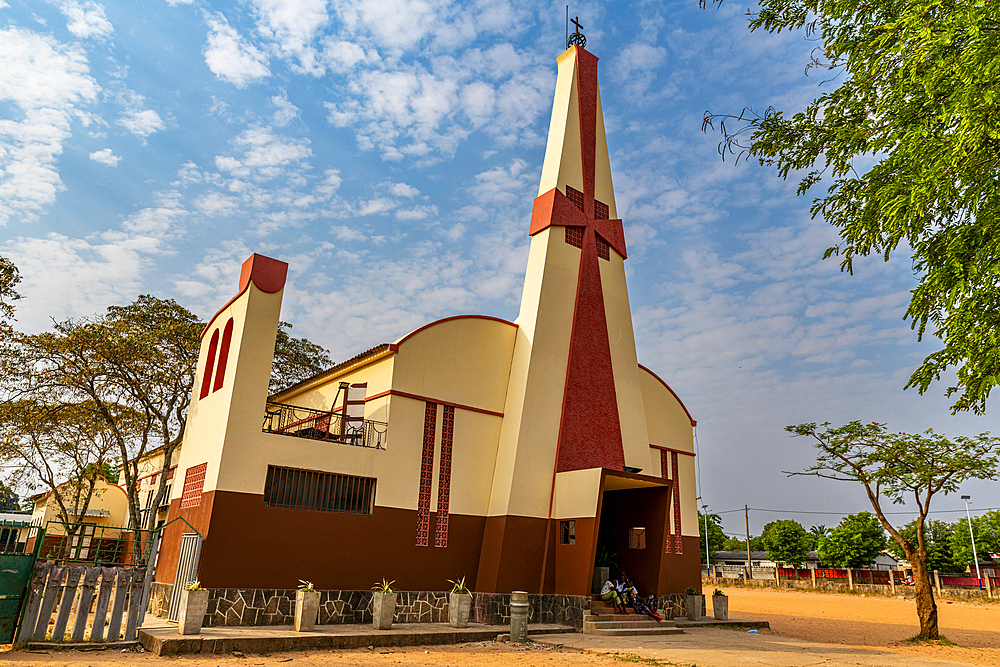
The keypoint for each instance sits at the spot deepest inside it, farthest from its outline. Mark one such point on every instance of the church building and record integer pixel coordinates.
(514, 454)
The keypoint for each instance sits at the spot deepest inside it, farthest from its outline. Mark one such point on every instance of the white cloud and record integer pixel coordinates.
(230, 57)
(142, 123)
(285, 112)
(48, 85)
(264, 155)
(105, 156)
(293, 26)
(86, 19)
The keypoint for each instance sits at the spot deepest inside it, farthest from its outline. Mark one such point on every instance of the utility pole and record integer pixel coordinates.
(708, 566)
(746, 511)
(975, 556)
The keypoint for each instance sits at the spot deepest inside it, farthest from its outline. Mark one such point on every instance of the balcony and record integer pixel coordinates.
(299, 422)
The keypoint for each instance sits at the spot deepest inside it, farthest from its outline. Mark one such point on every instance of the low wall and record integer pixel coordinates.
(841, 585)
(244, 606)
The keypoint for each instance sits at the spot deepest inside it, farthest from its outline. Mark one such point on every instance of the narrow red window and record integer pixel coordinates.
(220, 372)
(206, 379)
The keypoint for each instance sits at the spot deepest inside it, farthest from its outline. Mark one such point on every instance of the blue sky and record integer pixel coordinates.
(389, 150)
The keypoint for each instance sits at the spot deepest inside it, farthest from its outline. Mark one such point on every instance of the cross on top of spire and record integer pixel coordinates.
(577, 37)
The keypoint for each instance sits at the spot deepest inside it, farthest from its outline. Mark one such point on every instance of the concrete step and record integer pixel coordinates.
(632, 632)
(619, 617)
(614, 625)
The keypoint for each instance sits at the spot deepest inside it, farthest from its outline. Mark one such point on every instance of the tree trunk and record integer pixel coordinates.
(926, 607)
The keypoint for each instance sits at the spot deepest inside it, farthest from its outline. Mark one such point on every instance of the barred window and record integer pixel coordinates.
(601, 210)
(313, 490)
(574, 236)
(567, 532)
(574, 196)
(603, 249)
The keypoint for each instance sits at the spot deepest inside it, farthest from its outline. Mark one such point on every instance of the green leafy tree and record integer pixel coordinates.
(716, 537)
(938, 536)
(295, 360)
(9, 501)
(855, 542)
(897, 467)
(911, 86)
(816, 535)
(986, 528)
(787, 542)
(756, 544)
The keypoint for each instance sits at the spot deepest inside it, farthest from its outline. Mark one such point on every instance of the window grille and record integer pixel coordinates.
(601, 210)
(603, 249)
(323, 491)
(574, 236)
(567, 532)
(575, 196)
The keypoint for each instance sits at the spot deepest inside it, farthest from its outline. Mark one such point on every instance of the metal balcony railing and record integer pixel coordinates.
(302, 422)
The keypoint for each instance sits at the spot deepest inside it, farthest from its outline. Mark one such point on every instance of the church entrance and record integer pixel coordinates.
(634, 526)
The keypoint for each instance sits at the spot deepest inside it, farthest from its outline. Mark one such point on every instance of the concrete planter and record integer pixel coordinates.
(383, 609)
(306, 610)
(459, 605)
(692, 606)
(601, 576)
(720, 607)
(194, 605)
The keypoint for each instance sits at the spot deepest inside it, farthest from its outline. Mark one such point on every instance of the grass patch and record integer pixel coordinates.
(739, 627)
(628, 657)
(940, 641)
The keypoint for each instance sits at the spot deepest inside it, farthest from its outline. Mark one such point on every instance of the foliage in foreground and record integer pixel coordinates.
(914, 90)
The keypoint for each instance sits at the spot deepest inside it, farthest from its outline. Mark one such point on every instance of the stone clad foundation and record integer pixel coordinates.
(255, 606)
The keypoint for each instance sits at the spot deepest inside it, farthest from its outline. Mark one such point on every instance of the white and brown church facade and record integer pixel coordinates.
(509, 453)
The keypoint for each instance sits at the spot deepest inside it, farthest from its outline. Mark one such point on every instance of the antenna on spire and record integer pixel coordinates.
(577, 37)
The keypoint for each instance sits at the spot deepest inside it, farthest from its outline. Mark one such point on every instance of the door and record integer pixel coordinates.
(15, 574)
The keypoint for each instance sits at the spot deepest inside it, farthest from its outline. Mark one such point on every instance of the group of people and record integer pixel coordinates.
(623, 594)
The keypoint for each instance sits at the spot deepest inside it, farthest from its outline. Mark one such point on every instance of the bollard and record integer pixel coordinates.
(519, 617)
(812, 573)
(850, 579)
(937, 582)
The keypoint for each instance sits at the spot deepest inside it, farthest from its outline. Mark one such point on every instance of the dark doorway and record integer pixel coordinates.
(633, 524)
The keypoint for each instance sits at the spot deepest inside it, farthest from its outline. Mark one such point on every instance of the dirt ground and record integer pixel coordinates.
(872, 620)
(852, 629)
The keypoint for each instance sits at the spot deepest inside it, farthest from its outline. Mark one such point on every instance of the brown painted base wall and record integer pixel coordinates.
(236, 607)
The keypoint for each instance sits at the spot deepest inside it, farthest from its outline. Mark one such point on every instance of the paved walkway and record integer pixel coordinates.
(271, 639)
(719, 647)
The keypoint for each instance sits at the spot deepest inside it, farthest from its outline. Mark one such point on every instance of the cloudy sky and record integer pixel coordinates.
(389, 150)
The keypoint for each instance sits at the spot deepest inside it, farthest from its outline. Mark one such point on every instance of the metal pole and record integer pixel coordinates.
(746, 511)
(975, 555)
(708, 565)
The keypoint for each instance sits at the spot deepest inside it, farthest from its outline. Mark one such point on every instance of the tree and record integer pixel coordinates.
(986, 528)
(854, 543)
(716, 538)
(787, 542)
(937, 535)
(816, 535)
(9, 501)
(914, 90)
(895, 466)
(295, 360)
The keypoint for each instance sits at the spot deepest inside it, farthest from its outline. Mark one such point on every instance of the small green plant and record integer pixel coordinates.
(691, 590)
(459, 586)
(194, 586)
(718, 592)
(306, 586)
(384, 587)
(606, 558)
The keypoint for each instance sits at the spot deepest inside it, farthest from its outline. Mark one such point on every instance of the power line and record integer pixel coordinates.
(761, 509)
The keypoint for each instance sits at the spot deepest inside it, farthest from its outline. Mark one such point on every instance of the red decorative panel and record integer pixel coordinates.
(575, 196)
(678, 540)
(574, 236)
(603, 249)
(664, 464)
(444, 476)
(206, 378)
(426, 475)
(194, 484)
(601, 211)
(220, 372)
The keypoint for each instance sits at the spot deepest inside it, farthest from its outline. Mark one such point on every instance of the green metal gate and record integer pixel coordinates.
(16, 565)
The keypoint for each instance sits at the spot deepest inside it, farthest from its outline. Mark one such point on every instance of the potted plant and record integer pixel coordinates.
(383, 605)
(720, 605)
(194, 604)
(459, 604)
(692, 603)
(306, 607)
(602, 568)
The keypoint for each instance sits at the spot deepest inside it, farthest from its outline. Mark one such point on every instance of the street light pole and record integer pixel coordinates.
(708, 567)
(979, 576)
